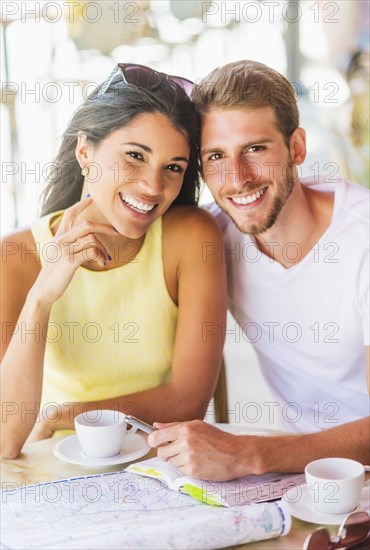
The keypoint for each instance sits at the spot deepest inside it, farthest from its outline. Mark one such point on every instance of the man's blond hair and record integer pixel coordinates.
(251, 85)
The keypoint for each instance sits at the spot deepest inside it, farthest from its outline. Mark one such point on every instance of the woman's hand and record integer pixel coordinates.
(51, 419)
(41, 430)
(72, 241)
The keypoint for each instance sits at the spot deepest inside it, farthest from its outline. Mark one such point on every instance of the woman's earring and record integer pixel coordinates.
(85, 171)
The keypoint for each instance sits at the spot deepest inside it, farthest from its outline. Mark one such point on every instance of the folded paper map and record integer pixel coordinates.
(125, 511)
(244, 490)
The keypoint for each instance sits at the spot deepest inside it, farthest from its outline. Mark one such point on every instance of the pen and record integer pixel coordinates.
(139, 424)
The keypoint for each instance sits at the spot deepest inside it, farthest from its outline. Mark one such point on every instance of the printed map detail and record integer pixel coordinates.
(121, 510)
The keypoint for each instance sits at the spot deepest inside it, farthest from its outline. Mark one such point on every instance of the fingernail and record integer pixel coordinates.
(109, 258)
(87, 196)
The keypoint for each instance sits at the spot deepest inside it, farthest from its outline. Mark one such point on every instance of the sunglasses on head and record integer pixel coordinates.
(144, 77)
(354, 530)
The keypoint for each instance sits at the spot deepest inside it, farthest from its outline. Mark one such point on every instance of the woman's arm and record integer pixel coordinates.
(196, 279)
(23, 317)
(27, 295)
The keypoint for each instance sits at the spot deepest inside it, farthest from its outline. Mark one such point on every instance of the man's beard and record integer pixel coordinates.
(277, 205)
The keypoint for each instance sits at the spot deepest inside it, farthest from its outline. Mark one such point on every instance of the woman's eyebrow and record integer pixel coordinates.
(149, 150)
(179, 159)
(144, 147)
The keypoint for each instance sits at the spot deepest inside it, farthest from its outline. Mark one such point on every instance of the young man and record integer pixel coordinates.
(298, 266)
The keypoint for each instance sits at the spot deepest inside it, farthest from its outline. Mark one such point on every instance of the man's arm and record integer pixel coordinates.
(205, 452)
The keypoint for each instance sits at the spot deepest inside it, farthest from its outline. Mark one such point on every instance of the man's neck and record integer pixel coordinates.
(301, 223)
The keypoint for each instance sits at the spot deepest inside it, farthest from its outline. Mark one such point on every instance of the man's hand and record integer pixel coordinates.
(203, 451)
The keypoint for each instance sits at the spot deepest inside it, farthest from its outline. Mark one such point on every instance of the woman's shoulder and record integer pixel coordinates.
(20, 255)
(189, 222)
(189, 233)
(13, 242)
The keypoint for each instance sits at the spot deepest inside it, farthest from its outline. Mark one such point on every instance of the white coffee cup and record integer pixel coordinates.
(335, 484)
(101, 432)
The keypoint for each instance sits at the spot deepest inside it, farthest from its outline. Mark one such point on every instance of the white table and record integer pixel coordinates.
(37, 464)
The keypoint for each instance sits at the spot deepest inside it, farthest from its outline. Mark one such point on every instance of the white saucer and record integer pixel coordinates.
(239, 429)
(297, 502)
(68, 449)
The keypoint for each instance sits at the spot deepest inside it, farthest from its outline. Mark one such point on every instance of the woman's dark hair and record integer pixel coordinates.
(102, 114)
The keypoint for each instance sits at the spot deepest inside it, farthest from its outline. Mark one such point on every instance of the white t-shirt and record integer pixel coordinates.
(309, 323)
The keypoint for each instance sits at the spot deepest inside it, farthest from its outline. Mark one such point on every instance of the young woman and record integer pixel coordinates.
(115, 297)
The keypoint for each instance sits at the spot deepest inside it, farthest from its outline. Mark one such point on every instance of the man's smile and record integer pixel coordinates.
(248, 199)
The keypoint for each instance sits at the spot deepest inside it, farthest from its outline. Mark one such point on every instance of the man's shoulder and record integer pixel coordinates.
(334, 184)
(354, 203)
(351, 199)
(356, 200)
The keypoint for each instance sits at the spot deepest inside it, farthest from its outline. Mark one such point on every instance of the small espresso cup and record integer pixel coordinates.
(101, 432)
(335, 484)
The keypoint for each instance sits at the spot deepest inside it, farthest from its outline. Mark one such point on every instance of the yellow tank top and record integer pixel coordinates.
(112, 332)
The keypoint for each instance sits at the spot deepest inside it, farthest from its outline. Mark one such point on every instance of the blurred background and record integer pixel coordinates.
(53, 53)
